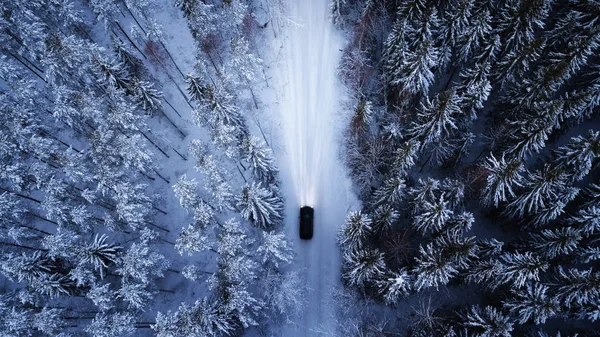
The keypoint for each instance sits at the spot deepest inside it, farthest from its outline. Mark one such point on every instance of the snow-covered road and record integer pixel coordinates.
(311, 169)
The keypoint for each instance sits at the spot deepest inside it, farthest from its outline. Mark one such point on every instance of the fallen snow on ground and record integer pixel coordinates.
(311, 169)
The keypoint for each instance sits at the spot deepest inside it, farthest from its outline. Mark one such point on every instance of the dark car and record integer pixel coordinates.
(307, 215)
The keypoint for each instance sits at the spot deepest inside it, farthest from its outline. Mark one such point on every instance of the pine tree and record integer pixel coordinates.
(520, 20)
(453, 190)
(232, 239)
(405, 156)
(539, 190)
(519, 61)
(112, 325)
(485, 271)
(260, 206)
(390, 192)
(362, 266)
(555, 207)
(574, 38)
(133, 205)
(355, 231)
(455, 19)
(579, 154)
(284, 293)
(274, 249)
(580, 103)
(395, 286)
(113, 74)
(102, 296)
(203, 214)
(49, 321)
(577, 288)
(436, 118)
(460, 223)
(587, 220)
(363, 116)
(487, 322)
(52, 285)
(591, 195)
(530, 132)
(460, 251)
(136, 295)
(424, 191)
(384, 218)
(188, 7)
(217, 106)
(204, 318)
(99, 253)
(235, 270)
(475, 89)
(553, 243)
(141, 262)
(195, 87)
(260, 158)
(192, 239)
(589, 254)
(126, 56)
(432, 216)
(519, 268)
(25, 267)
(242, 62)
(532, 303)
(15, 321)
(477, 33)
(146, 95)
(432, 269)
(411, 50)
(186, 192)
(62, 244)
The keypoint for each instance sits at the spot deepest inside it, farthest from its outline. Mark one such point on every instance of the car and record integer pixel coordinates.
(307, 215)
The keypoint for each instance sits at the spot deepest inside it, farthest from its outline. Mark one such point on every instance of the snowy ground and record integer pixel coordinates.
(311, 169)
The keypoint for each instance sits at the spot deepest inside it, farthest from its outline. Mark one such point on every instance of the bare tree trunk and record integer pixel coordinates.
(28, 67)
(173, 124)
(21, 246)
(172, 107)
(152, 142)
(240, 171)
(129, 39)
(161, 176)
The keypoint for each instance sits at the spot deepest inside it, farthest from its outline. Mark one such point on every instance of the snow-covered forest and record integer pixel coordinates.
(141, 143)
(474, 147)
(138, 194)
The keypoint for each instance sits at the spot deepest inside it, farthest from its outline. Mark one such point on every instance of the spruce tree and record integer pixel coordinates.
(519, 268)
(362, 266)
(395, 286)
(433, 216)
(578, 156)
(560, 241)
(577, 288)
(487, 322)
(433, 269)
(99, 253)
(436, 118)
(532, 303)
(260, 157)
(539, 190)
(111, 325)
(355, 232)
(390, 192)
(186, 191)
(260, 206)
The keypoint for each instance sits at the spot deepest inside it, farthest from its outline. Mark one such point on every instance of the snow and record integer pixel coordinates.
(312, 171)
